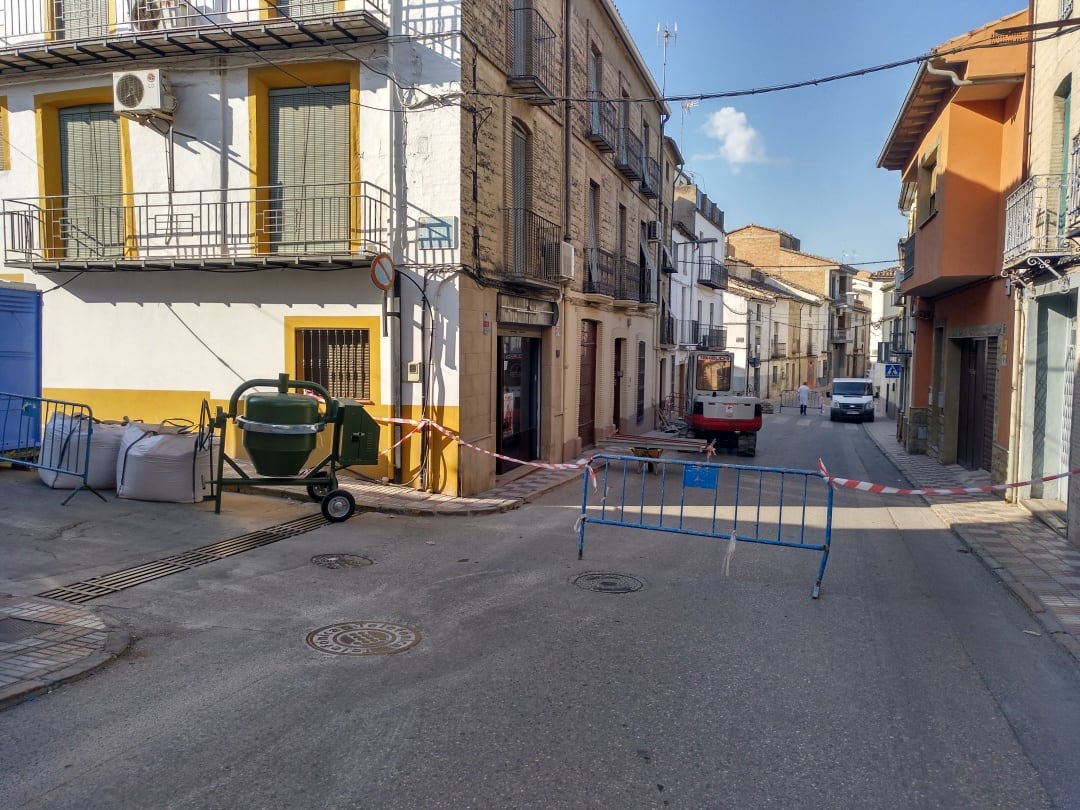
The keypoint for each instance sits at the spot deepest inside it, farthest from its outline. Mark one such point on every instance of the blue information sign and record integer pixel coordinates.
(892, 371)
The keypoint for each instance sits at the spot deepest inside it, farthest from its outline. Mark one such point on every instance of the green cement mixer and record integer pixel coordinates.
(280, 432)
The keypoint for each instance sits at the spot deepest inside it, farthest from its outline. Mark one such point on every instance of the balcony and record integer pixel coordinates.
(811, 350)
(531, 48)
(712, 337)
(900, 338)
(841, 335)
(906, 249)
(1035, 221)
(633, 283)
(335, 224)
(650, 178)
(603, 123)
(668, 330)
(712, 273)
(1072, 215)
(689, 333)
(532, 248)
(628, 155)
(600, 275)
(104, 33)
(777, 350)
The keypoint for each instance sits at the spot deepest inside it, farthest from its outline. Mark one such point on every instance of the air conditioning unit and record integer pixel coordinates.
(143, 92)
(566, 261)
(652, 230)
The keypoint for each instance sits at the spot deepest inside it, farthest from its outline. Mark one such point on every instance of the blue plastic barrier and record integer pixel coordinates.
(768, 505)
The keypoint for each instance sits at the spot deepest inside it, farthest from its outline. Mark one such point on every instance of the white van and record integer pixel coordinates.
(852, 398)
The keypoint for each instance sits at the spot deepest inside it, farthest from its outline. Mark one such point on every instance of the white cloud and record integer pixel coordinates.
(739, 142)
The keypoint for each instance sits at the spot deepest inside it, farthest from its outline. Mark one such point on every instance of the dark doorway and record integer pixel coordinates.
(587, 385)
(519, 412)
(971, 421)
(616, 408)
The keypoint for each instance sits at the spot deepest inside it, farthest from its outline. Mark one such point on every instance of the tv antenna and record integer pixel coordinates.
(664, 34)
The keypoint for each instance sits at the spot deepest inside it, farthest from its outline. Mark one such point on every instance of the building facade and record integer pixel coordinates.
(958, 143)
(204, 194)
(1040, 261)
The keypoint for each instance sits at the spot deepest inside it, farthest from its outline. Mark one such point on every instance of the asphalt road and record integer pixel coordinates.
(915, 680)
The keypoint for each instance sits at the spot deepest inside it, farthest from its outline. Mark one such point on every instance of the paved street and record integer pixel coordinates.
(916, 680)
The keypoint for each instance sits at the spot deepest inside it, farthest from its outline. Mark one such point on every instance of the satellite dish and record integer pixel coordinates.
(146, 15)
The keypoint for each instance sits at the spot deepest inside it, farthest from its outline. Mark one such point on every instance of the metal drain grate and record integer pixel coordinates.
(607, 582)
(84, 591)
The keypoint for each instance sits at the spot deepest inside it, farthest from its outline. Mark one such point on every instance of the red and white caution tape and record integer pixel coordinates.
(418, 424)
(881, 489)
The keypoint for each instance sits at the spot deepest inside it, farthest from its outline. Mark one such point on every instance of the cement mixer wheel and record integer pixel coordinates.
(338, 506)
(318, 491)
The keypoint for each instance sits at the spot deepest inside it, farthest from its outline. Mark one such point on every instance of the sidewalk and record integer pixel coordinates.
(1040, 565)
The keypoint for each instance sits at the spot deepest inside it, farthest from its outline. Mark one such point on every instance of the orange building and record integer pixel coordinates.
(958, 143)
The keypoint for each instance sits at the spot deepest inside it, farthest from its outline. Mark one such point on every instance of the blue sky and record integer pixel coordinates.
(803, 160)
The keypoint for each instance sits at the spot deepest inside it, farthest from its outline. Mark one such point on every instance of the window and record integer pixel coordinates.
(1057, 200)
(927, 202)
(309, 168)
(92, 222)
(337, 359)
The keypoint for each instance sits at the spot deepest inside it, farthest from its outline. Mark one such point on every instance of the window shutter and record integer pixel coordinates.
(92, 224)
(309, 168)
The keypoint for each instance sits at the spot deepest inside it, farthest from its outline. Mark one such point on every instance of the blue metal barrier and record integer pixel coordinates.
(720, 501)
(49, 434)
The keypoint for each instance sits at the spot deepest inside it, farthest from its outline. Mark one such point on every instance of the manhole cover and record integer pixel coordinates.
(363, 638)
(340, 561)
(12, 629)
(608, 583)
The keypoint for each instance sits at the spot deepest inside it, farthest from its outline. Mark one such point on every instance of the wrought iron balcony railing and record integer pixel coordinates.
(39, 36)
(603, 123)
(689, 333)
(599, 272)
(261, 226)
(712, 337)
(778, 350)
(628, 280)
(628, 155)
(650, 177)
(532, 247)
(531, 48)
(712, 273)
(811, 350)
(1035, 219)
(842, 335)
(906, 248)
(668, 329)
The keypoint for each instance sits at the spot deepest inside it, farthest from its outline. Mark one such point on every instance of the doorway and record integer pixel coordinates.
(587, 385)
(519, 401)
(616, 399)
(973, 405)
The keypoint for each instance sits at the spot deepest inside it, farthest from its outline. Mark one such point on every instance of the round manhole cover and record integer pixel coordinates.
(363, 638)
(340, 561)
(608, 583)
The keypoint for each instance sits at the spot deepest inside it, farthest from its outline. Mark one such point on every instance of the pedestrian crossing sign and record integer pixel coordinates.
(892, 371)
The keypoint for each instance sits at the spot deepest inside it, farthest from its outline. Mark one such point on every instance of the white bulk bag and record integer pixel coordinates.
(162, 463)
(64, 447)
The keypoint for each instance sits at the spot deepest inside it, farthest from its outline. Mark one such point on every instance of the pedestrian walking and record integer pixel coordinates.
(804, 398)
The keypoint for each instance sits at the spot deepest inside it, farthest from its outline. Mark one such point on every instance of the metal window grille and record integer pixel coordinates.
(337, 359)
